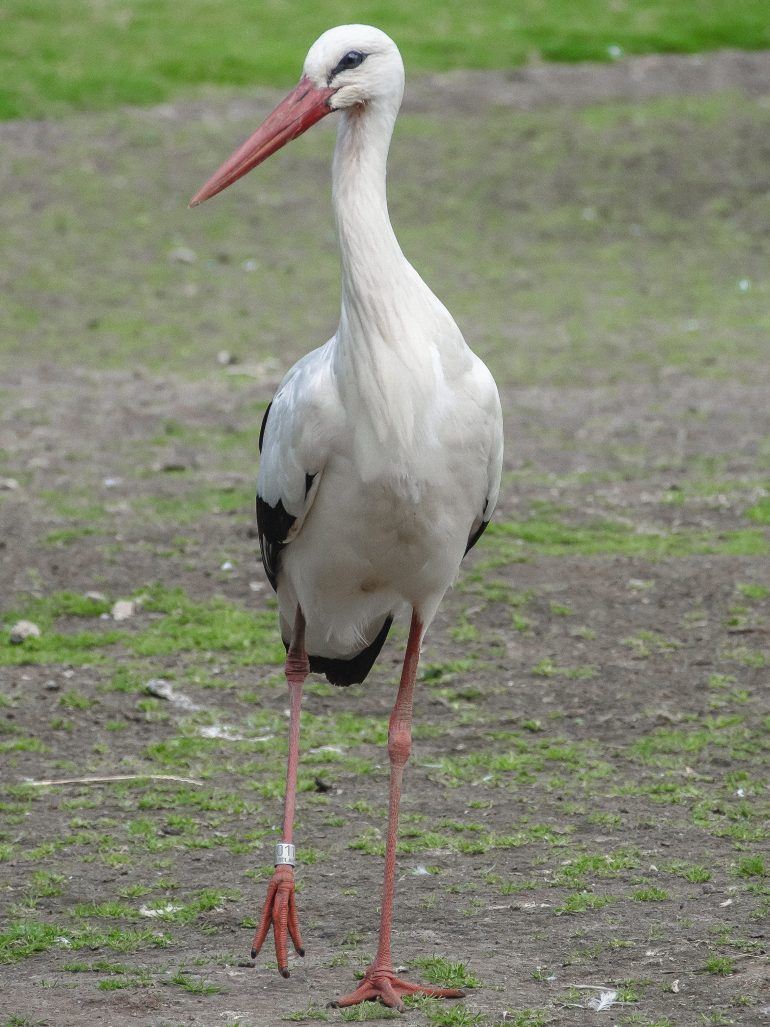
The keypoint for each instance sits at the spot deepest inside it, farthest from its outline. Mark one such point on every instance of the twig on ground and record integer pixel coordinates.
(117, 777)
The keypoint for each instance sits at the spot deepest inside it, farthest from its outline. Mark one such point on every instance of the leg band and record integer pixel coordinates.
(285, 854)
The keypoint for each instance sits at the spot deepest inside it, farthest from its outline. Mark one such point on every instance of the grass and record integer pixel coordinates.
(185, 625)
(553, 537)
(23, 938)
(721, 966)
(194, 985)
(752, 866)
(731, 734)
(441, 971)
(88, 57)
(583, 902)
(650, 894)
(524, 289)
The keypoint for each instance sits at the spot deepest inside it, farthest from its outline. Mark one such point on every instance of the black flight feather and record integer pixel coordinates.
(475, 536)
(354, 670)
(273, 525)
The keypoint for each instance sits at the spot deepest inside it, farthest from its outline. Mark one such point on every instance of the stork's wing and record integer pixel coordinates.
(485, 392)
(294, 442)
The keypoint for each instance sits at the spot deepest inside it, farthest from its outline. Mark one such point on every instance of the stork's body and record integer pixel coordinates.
(381, 450)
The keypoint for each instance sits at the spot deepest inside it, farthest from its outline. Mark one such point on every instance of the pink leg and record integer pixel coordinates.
(380, 982)
(280, 907)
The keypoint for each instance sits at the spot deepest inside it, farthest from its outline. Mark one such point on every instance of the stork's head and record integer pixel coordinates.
(350, 66)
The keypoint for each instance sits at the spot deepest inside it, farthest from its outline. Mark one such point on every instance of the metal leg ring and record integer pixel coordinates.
(285, 854)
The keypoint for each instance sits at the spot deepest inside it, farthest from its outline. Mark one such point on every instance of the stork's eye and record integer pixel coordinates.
(352, 59)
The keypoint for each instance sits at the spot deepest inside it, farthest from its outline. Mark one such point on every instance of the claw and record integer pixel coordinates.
(381, 983)
(280, 910)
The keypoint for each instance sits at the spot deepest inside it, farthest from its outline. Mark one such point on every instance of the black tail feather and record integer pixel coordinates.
(354, 670)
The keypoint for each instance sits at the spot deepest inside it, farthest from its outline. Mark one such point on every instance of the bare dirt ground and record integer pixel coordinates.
(587, 801)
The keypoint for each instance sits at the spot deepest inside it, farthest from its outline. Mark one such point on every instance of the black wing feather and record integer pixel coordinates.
(264, 425)
(273, 525)
(274, 522)
(475, 536)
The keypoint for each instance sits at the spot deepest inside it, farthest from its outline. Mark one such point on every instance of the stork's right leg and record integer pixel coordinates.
(380, 981)
(280, 907)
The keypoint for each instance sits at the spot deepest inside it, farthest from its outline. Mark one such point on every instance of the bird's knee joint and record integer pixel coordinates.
(399, 744)
(297, 668)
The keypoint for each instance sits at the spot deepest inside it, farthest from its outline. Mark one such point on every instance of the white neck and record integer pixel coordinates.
(376, 277)
(391, 324)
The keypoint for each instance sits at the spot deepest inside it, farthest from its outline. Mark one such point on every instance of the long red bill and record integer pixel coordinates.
(294, 115)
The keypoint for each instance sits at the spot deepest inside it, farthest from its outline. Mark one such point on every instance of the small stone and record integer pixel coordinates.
(182, 255)
(22, 630)
(225, 358)
(52, 686)
(160, 688)
(123, 609)
(8, 484)
(97, 597)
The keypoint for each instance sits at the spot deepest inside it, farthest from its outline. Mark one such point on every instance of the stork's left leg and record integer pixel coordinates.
(380, 981)
(280, 907)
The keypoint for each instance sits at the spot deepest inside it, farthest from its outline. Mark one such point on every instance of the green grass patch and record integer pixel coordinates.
(604, 865)
(188, 506)
(546, 668)
(721, 966)
(208, 625)
(583, 902)
(194, 985)
(760, 512)
(24, 938)
(752, 866)
(215, 624)
(440, 971)
(650, 894)
(513, 539)
(148, 52)
(716, 734)
(694, 873)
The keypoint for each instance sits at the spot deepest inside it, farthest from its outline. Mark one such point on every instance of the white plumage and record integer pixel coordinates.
(396, 417)
(381, 452)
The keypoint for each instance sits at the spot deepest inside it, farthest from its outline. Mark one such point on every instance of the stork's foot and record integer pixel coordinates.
(280, 910)
(381, 983)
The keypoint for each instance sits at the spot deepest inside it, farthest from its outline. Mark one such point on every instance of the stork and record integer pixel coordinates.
(381, 452)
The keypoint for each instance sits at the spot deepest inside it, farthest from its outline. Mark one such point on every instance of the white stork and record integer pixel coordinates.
(381, 450)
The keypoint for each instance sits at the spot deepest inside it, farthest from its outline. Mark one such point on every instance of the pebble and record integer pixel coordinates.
(182, 255)
(98, 597)
(8, 484)
(159, 687)
(225, 358)
(123, 609)
(23, 630)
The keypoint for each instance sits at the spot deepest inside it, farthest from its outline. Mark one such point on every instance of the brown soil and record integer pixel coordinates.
(589, 454)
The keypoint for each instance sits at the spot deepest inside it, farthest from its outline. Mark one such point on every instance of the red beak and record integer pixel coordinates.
(294, 115)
